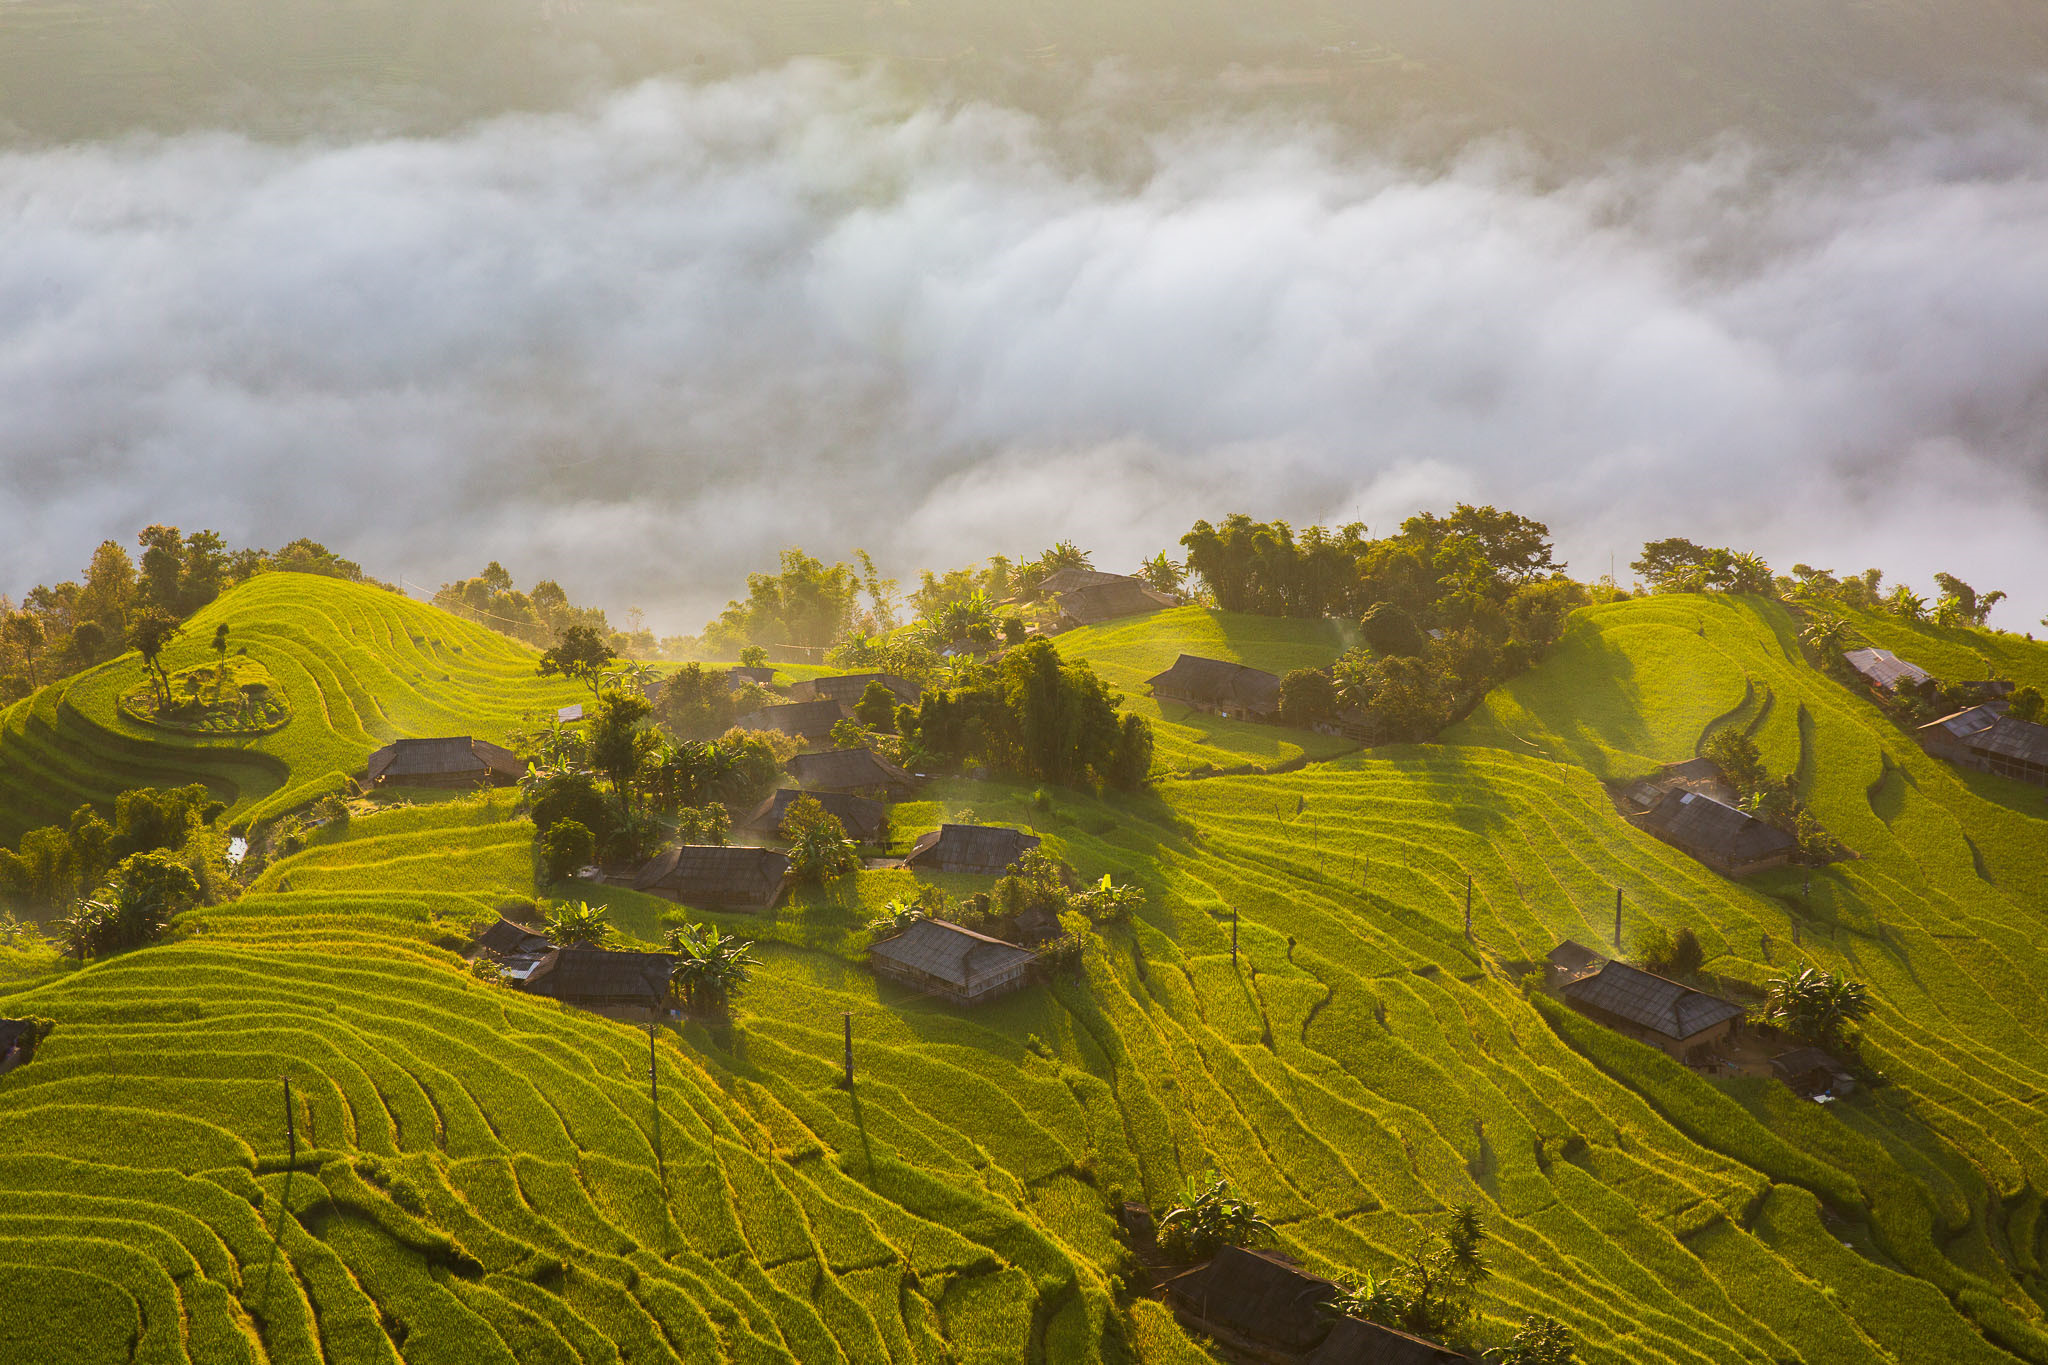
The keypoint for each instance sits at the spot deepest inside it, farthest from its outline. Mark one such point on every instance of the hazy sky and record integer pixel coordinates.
(641, 345)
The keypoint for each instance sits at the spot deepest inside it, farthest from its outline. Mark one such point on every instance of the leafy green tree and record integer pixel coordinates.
(1906, 604)
(753, 656)
(579, 925)
(1817, 1006)
(818, 847)
(2026, 703)
(897, 916)
(1963, 604)
(1738, 758)
(804, 603)
(1307, 696)
(1162, 573)
(1828, 635)
(25, 633)
(1747, 573)
(1540, 1341)
(1402, 698)
(707, 824)
(695, 703)
(876, 708)
(571, 795)
(151, 629)
(1392, 631)
(163, 567)
(710, 967)
(580, 653)
(220, 656)
(1207, 1216)
(619, 746)
(567, 846)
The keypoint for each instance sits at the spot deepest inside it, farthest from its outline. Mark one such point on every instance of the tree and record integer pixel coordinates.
(1162, 573)
(163, 566)
(579, 653)
(152, 629)
(578, 925)
(1541, 1341)
(1392, 631)
(753, 656)
(710, 967)
(1906, 604)
(818, 847)
(693, 703)
(1130, 764)
(220, 654)
(25, 633)
(707, 824)
(1402, 698)
(876, 708)
(567, 846)
(1307, 695)
(619, 747)
(2027, 704)
(804, 603)
(1963, 604)
(1430, 1295)
(1817, 1005)
(1828, 635)
(1747, 573)
(1738, 758)
(1207, 1216)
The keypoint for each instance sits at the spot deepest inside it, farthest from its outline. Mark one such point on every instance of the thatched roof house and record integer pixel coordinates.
(804, 719)
(1070, 580)
(864, 820)
(1354, 1341)
(1218, 685)
(943, 959)
(1255, 1298)
(856, 771)
(453, 761)
(1098, 602)
(1652, 1009)
(716, 877)
(747, 673)
(1987, 739)
(596, 979)
(1732, 842)
(848, 688)
(986, 850)
(1884, 670)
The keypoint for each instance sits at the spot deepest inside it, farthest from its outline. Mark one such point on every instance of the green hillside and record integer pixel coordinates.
(358, 667)
(483, 1182)
(1127, 652)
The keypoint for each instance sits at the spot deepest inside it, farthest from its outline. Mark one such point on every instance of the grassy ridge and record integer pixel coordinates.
(359, 667)
(1359, 1069)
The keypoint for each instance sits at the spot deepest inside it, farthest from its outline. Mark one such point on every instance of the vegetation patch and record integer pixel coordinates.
(235, 696)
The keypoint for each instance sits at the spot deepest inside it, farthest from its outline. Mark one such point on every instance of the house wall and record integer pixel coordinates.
(441, 781)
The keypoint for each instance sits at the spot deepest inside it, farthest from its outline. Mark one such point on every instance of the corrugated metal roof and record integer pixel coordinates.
(716, 874)
(441, 757)
(1654, 1002)
(1699, 821)
(596, 974)
(1218, 682)
(1882, 668)
(950, 953)
(985, 849)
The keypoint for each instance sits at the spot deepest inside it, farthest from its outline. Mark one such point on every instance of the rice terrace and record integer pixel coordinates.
(1356, 950)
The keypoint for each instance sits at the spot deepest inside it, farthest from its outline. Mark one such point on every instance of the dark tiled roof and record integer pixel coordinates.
(1218, 682)
(1258, 1294)
(595, 974)
(1700, 822)
(740, 673)
(1882, 668)
(1107, 601)
(1802, 1062)
(709, 874)
(1069, 580)
(849, 687)
(453, 755)
(1354, 1341)
(508, 939)
(804, 718)
(944, 950)
(1987, 729)
(1650, 1001)
(861, 818)
(985, 849)
(847, 770)
(12, 1031)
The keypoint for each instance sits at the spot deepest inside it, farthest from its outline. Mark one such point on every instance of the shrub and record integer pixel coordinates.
(565, 847)
(1669, 954)
(818, 847)
(1209, 1216)
(573, 796)
(1541, 1341)
(1307, 695)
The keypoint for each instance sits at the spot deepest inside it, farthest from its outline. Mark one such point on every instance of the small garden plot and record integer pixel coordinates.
(235, 696)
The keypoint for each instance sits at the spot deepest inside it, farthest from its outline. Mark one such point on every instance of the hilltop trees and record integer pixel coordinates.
(579, 652)
(805, 603)
(1037, 715)
(537, 616)
(1678, 565)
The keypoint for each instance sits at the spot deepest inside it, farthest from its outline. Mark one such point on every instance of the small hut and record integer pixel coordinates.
(1227, 689)
(1732, 842)
(1988, 740)
(513, 946)
(983, 850)
(1354, 1341)
(849, 688)
(1091, 605)
(1255, 1300)
(803, 719)
(592, 978)
(1678, 1020)
(945, 960)
(716, 877)
(863, 820)
(1885, 671)
(454, 761)
(1071, 580)
(857, 772)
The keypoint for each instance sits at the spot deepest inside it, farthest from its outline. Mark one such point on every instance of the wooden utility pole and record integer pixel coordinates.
(654, 1094)
(1468, 907)
(846, 1023)
(1617, 919)
(1233, 936)
(284, 1202)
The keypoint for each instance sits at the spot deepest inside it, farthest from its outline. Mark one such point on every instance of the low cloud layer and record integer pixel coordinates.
(642, 346)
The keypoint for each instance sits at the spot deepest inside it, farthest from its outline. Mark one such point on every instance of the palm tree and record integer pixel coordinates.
(220, 654)
(898, 915)
(1209, 1216)
(83, 927)
(1905, 603)
(1827, 634)
(1747, 573)
(821, 851)
(578, 925)
(1817, 1005)
(710, 967)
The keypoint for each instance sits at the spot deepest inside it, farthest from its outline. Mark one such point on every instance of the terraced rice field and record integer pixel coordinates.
(359, 666)
(482, 1182)
(1127, 652)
